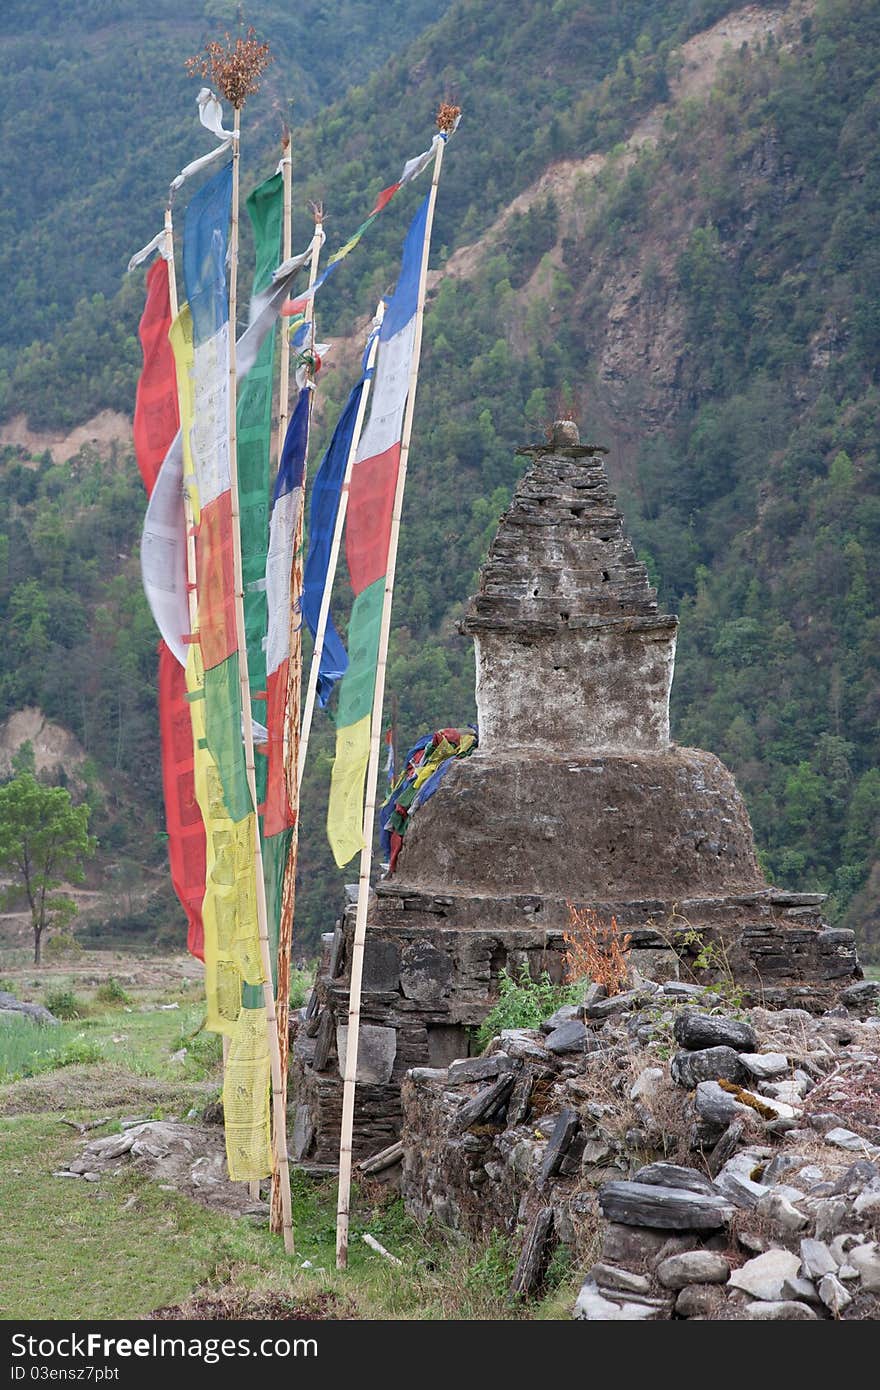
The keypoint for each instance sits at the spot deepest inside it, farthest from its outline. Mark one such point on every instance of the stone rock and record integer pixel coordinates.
(841, 1245)
(697, 1031)
(831, 1215)
(736, 1182)
(659, 964)
(790, 1092)
(781, 1126)
(11, 1005)
(846, 1139)
(764, 1276)
(780, 1311)
(423, 1075)
(648, 1084)
(764, 1065)
(607, 1008)
(568, 1037)
(673, 1175)
(113, 1146)
(823, 1120)
(596, 1151)
(866, 1259)
(833, 1295)
(680, 989)
(800, 1289)
(752, 1241)
(377, 1049)
(303, 1132)
(623, 1280)
(816, 1259)
(867, 1205)
(565, 1014)
(426, 972)
(481, 1068)
(591, 1306)
(855, 1178)
(567, 1126)
(776, 1208)
(678, 1244)
(699, 1301)
(708, 1064)
(381, 965)
(861, 995)
(630, 1245)
(593, 993)
(693, 1267)
(525, 1159)
(524, 1043)
(781, 1164)
(815, 1186)
(717, 1107)
(726, 1147)
(666, 1208)
(179, 1157)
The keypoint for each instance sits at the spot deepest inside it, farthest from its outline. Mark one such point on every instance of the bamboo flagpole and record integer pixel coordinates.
(357, 964)
(291, 724)
(324, 611)
(279, 1128)
(286, 168)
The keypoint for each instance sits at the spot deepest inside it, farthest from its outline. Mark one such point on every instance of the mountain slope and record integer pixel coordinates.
(664, 217)
(99, 114)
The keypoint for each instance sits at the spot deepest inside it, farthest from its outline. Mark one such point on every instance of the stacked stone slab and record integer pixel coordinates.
(575, 795)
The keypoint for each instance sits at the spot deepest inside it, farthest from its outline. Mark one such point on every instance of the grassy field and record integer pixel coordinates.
(125, 1247)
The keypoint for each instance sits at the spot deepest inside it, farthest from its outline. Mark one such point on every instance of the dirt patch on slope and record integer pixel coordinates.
(104, 432)
(55, 749)
(700, 59)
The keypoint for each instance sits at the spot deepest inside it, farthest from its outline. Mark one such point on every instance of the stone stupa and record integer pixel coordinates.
(576, 795)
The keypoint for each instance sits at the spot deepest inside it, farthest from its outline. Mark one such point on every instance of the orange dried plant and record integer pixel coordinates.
(234, 67)
(595, 949)
(447, 116)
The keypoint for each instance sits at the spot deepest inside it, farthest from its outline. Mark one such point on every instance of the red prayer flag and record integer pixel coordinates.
(156, 421)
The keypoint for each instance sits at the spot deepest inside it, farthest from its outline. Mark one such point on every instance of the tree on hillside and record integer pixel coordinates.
(44, 842)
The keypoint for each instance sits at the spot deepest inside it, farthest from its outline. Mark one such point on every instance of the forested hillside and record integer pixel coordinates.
(692, 267)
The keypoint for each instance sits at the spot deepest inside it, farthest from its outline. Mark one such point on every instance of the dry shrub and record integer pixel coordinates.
(595, 949)
(447, 117)
(234, 67)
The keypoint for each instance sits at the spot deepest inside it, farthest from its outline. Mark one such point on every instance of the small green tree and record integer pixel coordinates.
(44, 841)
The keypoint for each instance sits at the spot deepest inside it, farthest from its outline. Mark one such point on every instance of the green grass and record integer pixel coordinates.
(28, 1048)
(70, 1245)
(144, 1042)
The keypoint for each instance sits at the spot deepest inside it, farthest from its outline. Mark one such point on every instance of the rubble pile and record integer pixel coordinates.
(699, 1161)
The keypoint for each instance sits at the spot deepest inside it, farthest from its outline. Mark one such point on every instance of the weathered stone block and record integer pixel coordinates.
(425, 972)
(377, 1049)
(381, 966)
